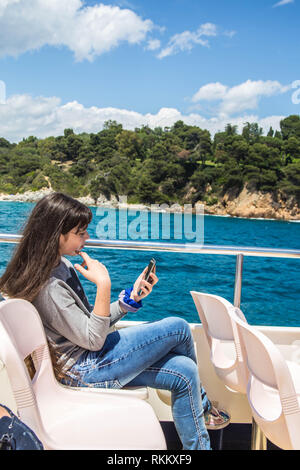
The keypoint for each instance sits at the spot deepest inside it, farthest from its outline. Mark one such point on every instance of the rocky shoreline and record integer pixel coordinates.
(256, 205)
(246, 205)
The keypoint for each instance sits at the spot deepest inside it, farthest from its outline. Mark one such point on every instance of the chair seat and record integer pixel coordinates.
(223, 353)
(64, 417)
(269, 405)
(138, 392)
(100, 421)
(290, 352)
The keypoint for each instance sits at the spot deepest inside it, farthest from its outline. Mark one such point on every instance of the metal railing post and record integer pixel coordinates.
(238, 280)
(258, 439)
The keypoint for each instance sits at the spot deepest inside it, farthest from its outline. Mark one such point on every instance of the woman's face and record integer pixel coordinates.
(72, 242)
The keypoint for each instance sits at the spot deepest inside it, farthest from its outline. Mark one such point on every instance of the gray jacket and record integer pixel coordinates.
(70, 325)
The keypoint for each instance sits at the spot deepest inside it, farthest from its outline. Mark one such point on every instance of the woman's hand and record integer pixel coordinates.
(144, 286)
(95, 271)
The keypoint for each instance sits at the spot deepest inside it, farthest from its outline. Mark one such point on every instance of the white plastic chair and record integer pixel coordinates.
(248, 362)
(65, 418)
(273, 388)
(223, 341)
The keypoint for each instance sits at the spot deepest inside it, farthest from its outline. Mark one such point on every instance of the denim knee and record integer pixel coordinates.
(178, 324)
(187, 373)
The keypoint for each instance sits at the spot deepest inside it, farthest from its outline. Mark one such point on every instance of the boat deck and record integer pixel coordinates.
(237, 436)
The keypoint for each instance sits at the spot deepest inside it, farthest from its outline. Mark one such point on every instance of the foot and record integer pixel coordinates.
(216, 419)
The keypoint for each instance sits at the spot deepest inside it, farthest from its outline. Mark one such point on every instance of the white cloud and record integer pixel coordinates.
(240, 97)
(153, 44)
(210, 92)
(229, 34)
(87, 31)
(24, 115)
(282, 2)
(188, 39)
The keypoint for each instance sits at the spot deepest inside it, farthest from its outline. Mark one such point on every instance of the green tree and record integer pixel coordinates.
(4, 159)
(290, 184)
(291, 148)
(232, 178)
(106, 141)
(129, 144)
(147, 190)
(21, 164)
(268, 180)
(239, 149)
(4, 143)
(263, 156)
(290, 127)
(73, 144)
(231, 129)
(252, 132)
(203, 150)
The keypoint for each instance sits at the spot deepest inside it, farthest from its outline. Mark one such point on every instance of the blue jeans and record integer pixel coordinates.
(160, 355)
(16, 435)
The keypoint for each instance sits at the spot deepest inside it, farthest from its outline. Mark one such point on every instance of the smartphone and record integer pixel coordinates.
(150, 269)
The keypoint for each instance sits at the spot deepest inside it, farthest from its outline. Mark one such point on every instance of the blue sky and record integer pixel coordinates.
(73, 63)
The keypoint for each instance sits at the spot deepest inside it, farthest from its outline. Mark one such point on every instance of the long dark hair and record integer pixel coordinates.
(38, 251)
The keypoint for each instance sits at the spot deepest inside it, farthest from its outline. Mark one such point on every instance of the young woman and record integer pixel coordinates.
(86, 350)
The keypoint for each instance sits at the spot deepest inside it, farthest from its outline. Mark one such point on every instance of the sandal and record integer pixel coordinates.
(216, 419)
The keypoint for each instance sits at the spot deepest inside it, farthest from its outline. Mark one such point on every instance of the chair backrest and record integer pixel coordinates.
(22, 334)
(214, 312)
(271, 391)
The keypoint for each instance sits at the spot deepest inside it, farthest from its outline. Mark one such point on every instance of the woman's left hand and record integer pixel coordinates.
(144, 286)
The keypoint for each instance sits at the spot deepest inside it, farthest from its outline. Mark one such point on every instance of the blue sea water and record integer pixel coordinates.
(271, 286)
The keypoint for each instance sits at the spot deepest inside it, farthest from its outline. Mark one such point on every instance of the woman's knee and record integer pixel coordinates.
(177, 324)
(190, 370)
(186, 372)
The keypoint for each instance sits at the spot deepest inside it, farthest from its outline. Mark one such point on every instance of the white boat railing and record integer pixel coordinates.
(188, 248)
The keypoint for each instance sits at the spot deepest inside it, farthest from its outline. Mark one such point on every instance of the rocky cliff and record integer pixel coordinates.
(251, 204)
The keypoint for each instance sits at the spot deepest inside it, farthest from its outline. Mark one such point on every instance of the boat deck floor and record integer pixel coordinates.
(235, 437)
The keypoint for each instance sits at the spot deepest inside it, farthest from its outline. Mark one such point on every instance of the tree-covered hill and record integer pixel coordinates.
(181, 163)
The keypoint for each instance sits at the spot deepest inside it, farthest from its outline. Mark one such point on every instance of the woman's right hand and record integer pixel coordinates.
(95, 271)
